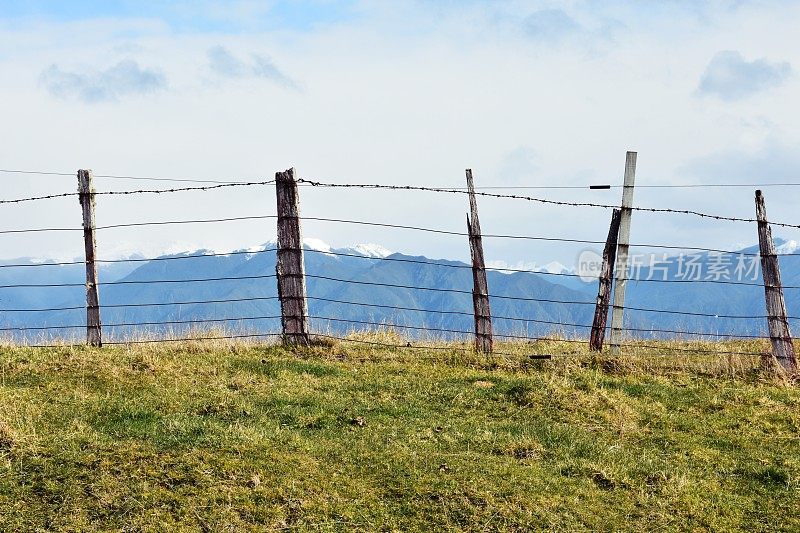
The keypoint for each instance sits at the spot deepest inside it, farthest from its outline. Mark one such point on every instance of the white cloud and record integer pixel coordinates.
(223, 63)
(730, 77)
(550, 25)
(123, 79)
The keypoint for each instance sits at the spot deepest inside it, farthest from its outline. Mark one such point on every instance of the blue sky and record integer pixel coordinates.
(526, 93)
(198, 16)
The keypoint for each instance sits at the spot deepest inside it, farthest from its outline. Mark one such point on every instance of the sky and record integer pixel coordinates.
(526, 94)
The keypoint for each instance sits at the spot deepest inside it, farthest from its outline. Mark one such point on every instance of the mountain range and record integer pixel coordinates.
(366, 287)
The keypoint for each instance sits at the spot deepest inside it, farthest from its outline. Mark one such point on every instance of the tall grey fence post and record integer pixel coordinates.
(86, 196)
(779, 334)
(289, 266)
(604, 289)
(623, 244)
(480, 287)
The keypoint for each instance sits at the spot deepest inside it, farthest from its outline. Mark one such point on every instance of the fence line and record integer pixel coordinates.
(291, 279)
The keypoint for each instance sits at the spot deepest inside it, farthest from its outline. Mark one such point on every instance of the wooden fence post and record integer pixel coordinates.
(621, 270)
(94, 335)
(289, 267)
(480, 287)
(604, 290)
(779, 334)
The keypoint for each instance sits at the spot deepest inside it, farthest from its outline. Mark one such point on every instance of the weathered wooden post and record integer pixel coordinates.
(289, 267)
(480, 287)
(779, 334)
(621, 270)
(86, 194)
(604, 290)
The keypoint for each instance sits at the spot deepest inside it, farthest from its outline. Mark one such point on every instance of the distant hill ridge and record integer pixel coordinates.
(364, 263)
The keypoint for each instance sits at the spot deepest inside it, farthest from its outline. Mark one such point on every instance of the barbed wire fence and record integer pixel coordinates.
(294, 324)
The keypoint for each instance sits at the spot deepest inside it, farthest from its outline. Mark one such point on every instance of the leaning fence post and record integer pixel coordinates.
(779, 334)
(86, 194)
(480, 287)
(604, 290)
(621, 270)
(289, 266)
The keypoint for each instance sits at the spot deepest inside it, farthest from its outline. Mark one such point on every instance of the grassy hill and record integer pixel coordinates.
(216, 436)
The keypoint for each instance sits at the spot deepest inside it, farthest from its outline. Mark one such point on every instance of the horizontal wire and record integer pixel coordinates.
(147, 304)
(196, 280)
(111, 176)
(539, 200)
(501, 335)
(317, 335)
(638, 186)
(509, 187)
(408, 345)
(36, 198)
(544, 300)
(226, 337)
(156, 341)
(173, 222)
(141, 191)
(538, 272)
(185, 189)
(439, 289)
(396, 259)
(689, 350)
(142, 259)
(698, 351)
(529, 237)
(418, 328)
(136, 282)
(137, 324)
(363, 304)
(435, 289)
(538, 321)
(398, 226)
(181, 180)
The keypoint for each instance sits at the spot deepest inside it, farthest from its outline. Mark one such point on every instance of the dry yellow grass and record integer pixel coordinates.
(220, 435)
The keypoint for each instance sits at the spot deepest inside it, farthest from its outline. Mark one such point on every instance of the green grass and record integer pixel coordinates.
(215, 436)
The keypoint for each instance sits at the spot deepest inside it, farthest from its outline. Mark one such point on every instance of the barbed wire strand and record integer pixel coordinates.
(540, 200)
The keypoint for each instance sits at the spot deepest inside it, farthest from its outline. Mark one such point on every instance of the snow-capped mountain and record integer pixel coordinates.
(365, 250)
(554, 267)
(788, 247)
(365, 285)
